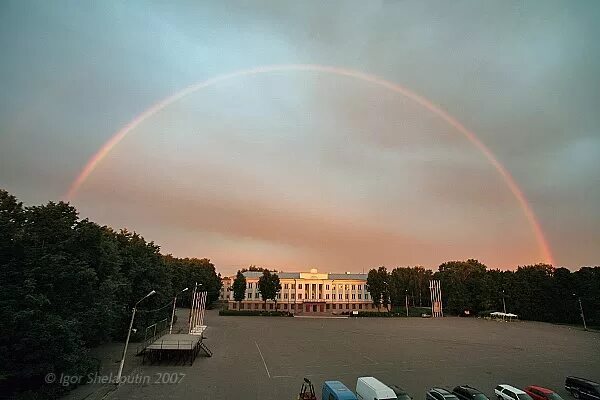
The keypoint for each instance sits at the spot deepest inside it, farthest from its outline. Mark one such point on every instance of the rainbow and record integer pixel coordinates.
(373, 79)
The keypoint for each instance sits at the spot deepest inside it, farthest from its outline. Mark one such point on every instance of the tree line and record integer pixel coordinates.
(68, 284)
(538, 292)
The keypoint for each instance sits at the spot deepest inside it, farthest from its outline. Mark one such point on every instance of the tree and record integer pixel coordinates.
(376, 286)
(385, 293)
(254, 268)
(269, 286)
(265, 287)
(276, 284)
(67, 285)
(461, 282)
(239, 288)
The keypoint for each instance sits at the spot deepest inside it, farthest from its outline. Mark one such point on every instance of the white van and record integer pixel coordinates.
(369, 388)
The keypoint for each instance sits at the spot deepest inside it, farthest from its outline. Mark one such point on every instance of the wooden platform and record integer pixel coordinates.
(175, 341)
(175, 348)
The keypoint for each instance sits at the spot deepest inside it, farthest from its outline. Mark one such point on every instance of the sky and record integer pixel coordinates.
(306, 169)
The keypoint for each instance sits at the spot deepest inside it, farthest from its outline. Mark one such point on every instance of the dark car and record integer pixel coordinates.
(582, 388)
(400, 393)
(466, 392)
(436, 393)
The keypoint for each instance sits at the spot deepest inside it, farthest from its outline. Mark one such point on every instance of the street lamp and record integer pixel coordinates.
(406, 292)
(173, 314)
(581, 311)
(129, 334)
(503, 302)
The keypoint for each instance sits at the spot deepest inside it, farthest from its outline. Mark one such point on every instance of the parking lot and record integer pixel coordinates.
(266, 358)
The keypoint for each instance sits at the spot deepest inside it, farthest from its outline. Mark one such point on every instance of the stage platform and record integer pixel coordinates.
(177, 348)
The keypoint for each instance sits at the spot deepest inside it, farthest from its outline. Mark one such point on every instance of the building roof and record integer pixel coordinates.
(348, 276)
(296, 275)
(282, 275)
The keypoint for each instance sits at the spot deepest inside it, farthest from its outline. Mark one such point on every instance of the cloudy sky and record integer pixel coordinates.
(300, 169)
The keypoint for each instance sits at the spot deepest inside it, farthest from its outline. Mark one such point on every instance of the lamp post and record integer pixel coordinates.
(129, 334)
(173, 313)
(406, 297)
(581, 311)
(503, 302)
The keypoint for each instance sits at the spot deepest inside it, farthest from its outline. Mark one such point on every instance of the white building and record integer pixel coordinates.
(305, 293)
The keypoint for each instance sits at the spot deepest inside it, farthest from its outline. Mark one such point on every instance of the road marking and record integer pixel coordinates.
(281, 376)
(263, 360)
(370, 359)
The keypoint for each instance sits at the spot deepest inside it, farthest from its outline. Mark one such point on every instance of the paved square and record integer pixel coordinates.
(266, 358)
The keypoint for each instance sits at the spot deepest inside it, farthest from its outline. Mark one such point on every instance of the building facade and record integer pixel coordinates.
(304, 293)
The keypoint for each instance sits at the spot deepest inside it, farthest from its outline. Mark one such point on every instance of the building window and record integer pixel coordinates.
(299, 286)
(249, 285)
(285, 285)
(326, 297)
(285, 295)
(285, 306)
(353, 306)
(256, 306)
(320, 286)
(313, 295)
(300, 296)
(333, 306)
(314, 286)
(327, 306)
(320, 296)
(326, 287)
(341, 287)
(353, 287)
(347, 306)
(353, 296)
(347, 297)
(293, 286)
(250, 295)
(271, 306)
(366, 296)
(293, 296)
(359, 296)
(360, 306)
(278, 295)
(359, 287)
(340, 296)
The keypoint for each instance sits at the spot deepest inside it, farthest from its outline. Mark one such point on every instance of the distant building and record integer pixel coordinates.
(305, 293)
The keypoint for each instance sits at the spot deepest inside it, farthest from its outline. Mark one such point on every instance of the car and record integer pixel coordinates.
(507, 392)
(437, 393)
(582, 388)
(401, 394)
(541, 393)
(466, 392)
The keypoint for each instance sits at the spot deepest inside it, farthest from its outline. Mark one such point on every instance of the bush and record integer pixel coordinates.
(486, 313)
(396, 313)
(255, 313)
(370, 314)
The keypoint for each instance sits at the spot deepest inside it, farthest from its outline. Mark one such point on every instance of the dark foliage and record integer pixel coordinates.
(534, 292)
(67, 285)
